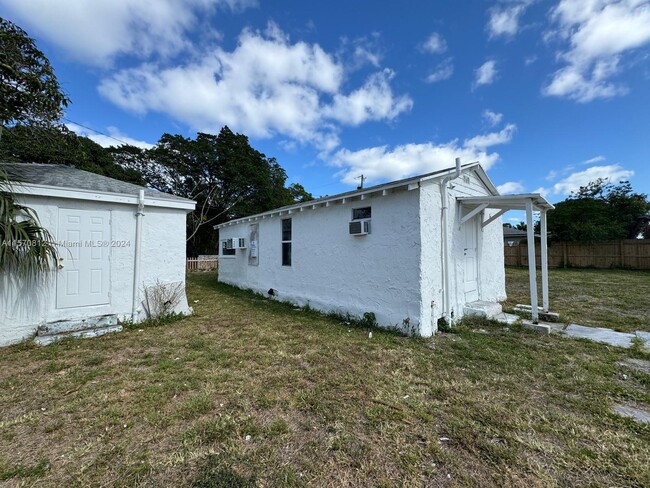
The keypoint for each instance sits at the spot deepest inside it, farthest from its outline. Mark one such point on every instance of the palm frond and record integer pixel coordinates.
(27, 250)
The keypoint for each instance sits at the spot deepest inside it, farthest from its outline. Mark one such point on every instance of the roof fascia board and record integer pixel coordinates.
(52, 191)
(380, 190)
(347, 198)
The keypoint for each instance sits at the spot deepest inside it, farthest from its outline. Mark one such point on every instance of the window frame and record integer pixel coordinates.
(226, 253)
(286, 243)
(368, 208)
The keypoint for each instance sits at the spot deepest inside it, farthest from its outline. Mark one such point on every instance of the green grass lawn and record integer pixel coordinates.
(618, 299)
(249, 392)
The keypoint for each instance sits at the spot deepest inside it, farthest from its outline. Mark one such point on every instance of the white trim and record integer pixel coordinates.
(365, 193)
(79, 194)
(510, 202)
(494, 217)
(472, 213)
(532, 267)
(544, 256)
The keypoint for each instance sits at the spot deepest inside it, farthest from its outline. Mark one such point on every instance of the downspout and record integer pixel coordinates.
(445, 245)
(136, 260)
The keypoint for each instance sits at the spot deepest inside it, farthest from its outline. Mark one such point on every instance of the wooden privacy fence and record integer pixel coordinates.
(625, 253)
(198, 264)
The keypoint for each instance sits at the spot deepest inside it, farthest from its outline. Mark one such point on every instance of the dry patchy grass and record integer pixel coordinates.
(614, 298)
(250, 392)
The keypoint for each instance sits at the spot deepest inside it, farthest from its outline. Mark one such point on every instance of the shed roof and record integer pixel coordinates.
(57, 176)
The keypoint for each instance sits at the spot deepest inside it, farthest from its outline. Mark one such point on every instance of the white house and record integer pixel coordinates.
(410, 252)
(114, 240)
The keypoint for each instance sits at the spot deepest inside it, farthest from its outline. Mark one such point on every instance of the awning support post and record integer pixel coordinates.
(532, 268)
(544, 250)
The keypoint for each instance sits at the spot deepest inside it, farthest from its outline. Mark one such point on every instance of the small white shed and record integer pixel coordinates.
(410, 252)
(114, 239)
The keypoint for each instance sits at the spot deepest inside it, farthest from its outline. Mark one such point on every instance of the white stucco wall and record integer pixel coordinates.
(334, 271)
(162, 258)
(491, 272)
(396, 272)
(431, 282)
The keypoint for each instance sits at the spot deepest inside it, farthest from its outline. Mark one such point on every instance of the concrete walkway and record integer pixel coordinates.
(606, 336)
(596, 334)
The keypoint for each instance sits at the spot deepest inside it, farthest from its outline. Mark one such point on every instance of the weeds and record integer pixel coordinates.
(252, 392)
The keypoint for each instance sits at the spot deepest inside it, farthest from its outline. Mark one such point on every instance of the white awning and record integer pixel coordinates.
(530, 202)
(508, 202)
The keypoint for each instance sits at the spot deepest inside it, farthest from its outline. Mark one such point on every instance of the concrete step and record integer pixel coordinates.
(89, 327)
(65, 326)
(482, 309)
(44, 340)
(528, 311)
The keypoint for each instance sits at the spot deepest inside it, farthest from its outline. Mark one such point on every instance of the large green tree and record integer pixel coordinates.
(29, 93)
(599, 211)
(226, 176)
(29, 90)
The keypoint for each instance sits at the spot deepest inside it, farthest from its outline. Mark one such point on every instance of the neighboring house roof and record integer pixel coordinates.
(512, 232)
(70, 182)
(406, 183)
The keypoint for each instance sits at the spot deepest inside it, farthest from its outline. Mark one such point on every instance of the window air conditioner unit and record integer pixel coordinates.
(236, 243)
(360, 227)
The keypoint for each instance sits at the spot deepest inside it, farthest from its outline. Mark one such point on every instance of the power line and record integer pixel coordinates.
(97, 131)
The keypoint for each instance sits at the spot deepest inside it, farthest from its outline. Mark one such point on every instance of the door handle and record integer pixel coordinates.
(60, 263)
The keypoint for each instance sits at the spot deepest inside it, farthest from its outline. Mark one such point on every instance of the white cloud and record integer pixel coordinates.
(442, 72)
(596, 159)
(435, 44)
(510, 187)
(551, 175)
(361, 51)
(493, 138)
(597, 33)
(265, 86)
(113, 138)
(486, 73)
(492, 118)
(504, 18)
(384, 163)
(373, 101)
(97, 31)
(573, 182)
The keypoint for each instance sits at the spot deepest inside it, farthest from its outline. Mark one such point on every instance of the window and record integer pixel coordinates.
(361, 213)
(286, 242)
(225, 251)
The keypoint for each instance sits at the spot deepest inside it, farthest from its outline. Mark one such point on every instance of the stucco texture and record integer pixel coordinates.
(395, 272)
(162, 258)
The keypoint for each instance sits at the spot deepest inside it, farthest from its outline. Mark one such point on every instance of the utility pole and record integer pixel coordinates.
(363, 178)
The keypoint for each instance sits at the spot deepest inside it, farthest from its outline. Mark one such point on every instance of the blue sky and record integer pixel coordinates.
(548, 95)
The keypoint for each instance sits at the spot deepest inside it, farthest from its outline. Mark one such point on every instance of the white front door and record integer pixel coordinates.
(470, 261)
(83, 278)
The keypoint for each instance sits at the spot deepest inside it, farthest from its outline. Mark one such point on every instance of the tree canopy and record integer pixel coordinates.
(29, 93)
(29, 89)
(599, 211)
(225, 176)
(59, 145)
(223, 173)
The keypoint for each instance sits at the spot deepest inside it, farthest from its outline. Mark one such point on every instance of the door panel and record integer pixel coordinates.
(84, 279)
(470, 261)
